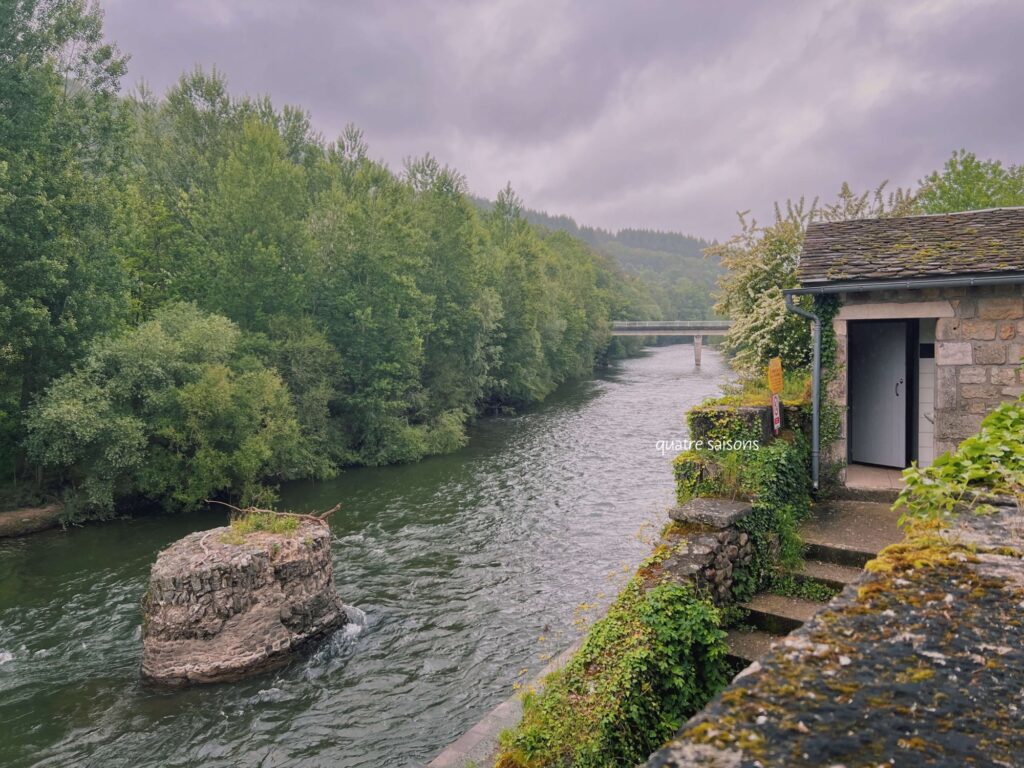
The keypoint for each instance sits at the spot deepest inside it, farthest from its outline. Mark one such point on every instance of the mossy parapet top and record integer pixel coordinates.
(921, 662)
(219, 608)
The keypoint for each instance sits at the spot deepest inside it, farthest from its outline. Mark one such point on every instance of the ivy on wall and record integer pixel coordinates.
(655, 659)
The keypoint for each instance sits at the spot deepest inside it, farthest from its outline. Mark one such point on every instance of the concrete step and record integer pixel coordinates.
(838, 555)
(830, 574)
(780, 615)
(868, 483)
(849, 532)
(855, 493)
(747, 645)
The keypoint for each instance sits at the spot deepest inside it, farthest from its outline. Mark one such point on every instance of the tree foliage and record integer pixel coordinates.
(352, 315)
(761, 263)
(967, 183)
(168, 411)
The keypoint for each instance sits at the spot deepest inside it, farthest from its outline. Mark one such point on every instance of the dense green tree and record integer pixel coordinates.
(252, 227)
(457, 348)
(367, 254)
(61, 282)
(169, 412)
(761, 262)
(334, 312)
(967, 183)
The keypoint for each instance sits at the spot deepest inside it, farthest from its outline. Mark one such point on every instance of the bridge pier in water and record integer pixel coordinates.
(698, 342)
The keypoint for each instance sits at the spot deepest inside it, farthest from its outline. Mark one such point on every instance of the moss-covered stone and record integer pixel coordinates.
(920, 663)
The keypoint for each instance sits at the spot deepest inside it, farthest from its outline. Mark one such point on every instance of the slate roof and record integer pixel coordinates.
(968, 243)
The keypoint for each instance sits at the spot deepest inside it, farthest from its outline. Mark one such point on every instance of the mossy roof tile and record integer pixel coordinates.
(967, 243)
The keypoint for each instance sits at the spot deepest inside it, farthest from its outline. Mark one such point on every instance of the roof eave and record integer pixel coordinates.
(906, 283)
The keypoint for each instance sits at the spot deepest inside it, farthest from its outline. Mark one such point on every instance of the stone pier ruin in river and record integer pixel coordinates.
(221, 605)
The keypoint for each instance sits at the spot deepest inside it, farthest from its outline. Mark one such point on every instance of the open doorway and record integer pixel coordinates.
(882, 392)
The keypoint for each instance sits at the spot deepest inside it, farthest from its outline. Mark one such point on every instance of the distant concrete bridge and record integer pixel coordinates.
(698, 329)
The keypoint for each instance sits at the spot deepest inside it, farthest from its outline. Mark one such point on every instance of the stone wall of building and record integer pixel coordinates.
(978, 351)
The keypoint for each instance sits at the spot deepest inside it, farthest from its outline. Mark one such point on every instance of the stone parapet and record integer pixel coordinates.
(714, 547)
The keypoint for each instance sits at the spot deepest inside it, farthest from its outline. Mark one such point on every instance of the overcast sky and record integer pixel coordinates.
(671, 114)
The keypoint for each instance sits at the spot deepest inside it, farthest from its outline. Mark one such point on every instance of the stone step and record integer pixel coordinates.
(830, 574)
(780, 615)
(747, 645)
(849, 532)
(878, 495)
(842, 555)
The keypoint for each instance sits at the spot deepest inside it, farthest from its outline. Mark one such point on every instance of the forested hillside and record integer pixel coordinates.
(202, 296)
(672, 266)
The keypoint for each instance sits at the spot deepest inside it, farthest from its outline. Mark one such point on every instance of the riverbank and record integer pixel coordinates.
(473, 570)
(20, 522)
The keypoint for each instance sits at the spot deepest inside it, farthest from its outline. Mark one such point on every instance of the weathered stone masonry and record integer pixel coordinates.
(714, 549)
(879, 678)
(217, 611)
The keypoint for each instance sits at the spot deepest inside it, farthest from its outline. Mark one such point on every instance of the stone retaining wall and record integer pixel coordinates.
(714, 549)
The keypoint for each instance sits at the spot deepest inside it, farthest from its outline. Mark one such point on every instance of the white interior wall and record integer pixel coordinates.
(926, 398)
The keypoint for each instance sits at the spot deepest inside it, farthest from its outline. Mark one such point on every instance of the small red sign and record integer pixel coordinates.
(776, 414)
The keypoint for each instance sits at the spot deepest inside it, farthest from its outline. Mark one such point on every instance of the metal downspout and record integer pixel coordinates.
(815, 387)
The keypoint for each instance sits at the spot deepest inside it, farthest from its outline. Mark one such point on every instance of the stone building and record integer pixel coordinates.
(930, 328)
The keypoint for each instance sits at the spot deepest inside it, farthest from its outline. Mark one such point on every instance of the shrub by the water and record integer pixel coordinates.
(170, 412)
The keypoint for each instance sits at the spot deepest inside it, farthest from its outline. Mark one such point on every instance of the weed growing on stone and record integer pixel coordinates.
(259, 522)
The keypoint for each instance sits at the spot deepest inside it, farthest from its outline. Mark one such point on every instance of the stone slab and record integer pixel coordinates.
(716, 513)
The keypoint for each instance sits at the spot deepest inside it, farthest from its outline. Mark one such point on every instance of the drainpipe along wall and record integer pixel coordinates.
(815, 387)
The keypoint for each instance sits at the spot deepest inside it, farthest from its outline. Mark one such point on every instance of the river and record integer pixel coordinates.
(465, 573)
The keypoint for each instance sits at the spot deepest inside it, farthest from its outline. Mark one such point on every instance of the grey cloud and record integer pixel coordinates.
(652, 113)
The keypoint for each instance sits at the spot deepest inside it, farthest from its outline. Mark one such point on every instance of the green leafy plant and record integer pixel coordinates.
(259, 521)
(787, 585)
(990, 463)
(166, 412)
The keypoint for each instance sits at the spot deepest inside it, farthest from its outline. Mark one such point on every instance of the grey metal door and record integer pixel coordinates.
(878, 393)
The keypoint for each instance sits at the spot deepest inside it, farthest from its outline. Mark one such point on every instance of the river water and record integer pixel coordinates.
(465, 573)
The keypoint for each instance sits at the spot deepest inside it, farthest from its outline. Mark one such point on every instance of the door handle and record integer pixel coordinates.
(898, 387)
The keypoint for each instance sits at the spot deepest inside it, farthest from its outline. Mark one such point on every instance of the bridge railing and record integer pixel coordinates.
(670, 324)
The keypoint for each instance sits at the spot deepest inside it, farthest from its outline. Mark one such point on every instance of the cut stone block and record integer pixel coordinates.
(716, 513)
